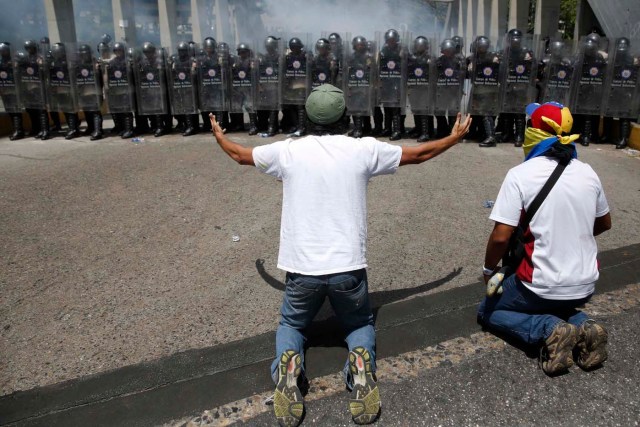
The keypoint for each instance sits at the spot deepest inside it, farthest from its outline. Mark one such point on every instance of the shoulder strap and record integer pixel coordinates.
(543, 194)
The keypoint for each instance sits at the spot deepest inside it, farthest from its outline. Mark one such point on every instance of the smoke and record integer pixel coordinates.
(20, 21)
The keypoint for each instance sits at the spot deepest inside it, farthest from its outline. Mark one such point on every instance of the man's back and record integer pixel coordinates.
(324, 210)
(561, 248)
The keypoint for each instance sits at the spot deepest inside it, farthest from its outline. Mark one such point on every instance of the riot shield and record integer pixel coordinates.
(392, 72)
(295, 72)
(242, 81)
(420, 75)
(589, 80)
(213, 80)
(519, 77)
(358, 86)
(449, 79)
(9, 99)
(485, 79)
(60, 94)
(268, 54)
(622, 91)
(31, 75)
(119, 85)
(181, 78)
(559, 67)
(150, 77)
(85, 78)
(339, 43)
(323, 67)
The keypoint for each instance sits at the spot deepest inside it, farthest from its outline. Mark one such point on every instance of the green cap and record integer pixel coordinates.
(325, 104)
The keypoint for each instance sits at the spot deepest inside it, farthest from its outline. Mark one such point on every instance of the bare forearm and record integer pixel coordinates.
(427, 150)
(495, 252)
(237, 152)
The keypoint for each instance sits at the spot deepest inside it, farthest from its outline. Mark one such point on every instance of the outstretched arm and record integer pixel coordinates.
(239, 153)
(428, 150)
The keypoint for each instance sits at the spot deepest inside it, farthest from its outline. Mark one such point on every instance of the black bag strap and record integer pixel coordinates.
(544, 192)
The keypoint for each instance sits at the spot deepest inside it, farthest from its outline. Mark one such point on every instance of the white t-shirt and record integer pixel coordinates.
(560, 261)
(324, 208)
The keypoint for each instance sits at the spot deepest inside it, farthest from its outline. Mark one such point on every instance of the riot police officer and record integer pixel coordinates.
(268, 85)
(32, 89)
(60, 88)
(419, 86)
(622, 92)
(391, 83)
(359, 85)
(242, 90)
(9, 91)
(88, 86)
(337, 51)
(182, 71)
(323, 65)
(151, 88)
(294, 86)
(119, 90)
(485, 89)
(212, 84)
(448, 85)
(557, 72)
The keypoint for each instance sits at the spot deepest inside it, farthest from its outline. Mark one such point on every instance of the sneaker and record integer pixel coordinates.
(365, 396)
(592, 345)
(288, 404)
(557, 351)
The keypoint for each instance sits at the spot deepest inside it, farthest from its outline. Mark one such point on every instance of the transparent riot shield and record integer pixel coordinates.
(323, 66)
(268, 54)
(151, 85)
(392, 70)
(590, 73)
(359, 81)
(420, 75)
(485, 79)
(339, 42)
(31, 74)
(61, 96)
(295, 69)
(119, 84)
(213, 80)
(559, 67)
(449, 79)
(519, 77)
(622, 91)
(9, 97)
(242, 81)
(181, 78)
(85, 77)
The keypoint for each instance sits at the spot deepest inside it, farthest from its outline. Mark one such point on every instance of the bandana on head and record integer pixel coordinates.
(548, 122)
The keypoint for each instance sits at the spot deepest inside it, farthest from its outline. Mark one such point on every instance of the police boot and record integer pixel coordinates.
(253, 123)
(490, 140)
(625, 131)
(55, 118)
(181, 126)
(44, 125)
(302, 122)
(395, 127)
(357, 126)
(18, 131)
(34, 118)
(366, 125)
(142, 124)
(88, 116)
(377, 122)
(506, 120)
(585, 140)
(403, 130)
(189, 126)
(424, 128)
(127, 122)
(158, 125)
(118, 126)
(388, 120)
(96, 118)
(442, 127)
(72, 123)
(519, 137)
(607, 127)
(272, 127)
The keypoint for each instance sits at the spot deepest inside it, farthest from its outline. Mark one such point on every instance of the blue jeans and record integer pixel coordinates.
(522, 314)
(348, 294)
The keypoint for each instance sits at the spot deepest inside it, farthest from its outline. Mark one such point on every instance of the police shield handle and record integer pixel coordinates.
(215, 126)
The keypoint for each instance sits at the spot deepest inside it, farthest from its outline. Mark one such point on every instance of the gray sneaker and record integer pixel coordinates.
(557, 351)
(592, 345)
(288, 403)
(365, 396)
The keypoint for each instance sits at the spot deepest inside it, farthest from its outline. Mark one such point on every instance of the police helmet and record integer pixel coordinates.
(323, 46)
(31, 46)
(58, 51)
(295, 43)
(5, 48)
(623, 44)
(459, 43)
(148, 48)
(209, 44)
(448, 47)
(482, 44)
(514, 32)
(243, 48)
(358, 43)
(421, 45)
(223, 48)
(271, 44)
(118, 47)
(392, 36)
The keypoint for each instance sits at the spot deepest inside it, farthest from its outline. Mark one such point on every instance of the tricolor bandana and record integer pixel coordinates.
(548, 122)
